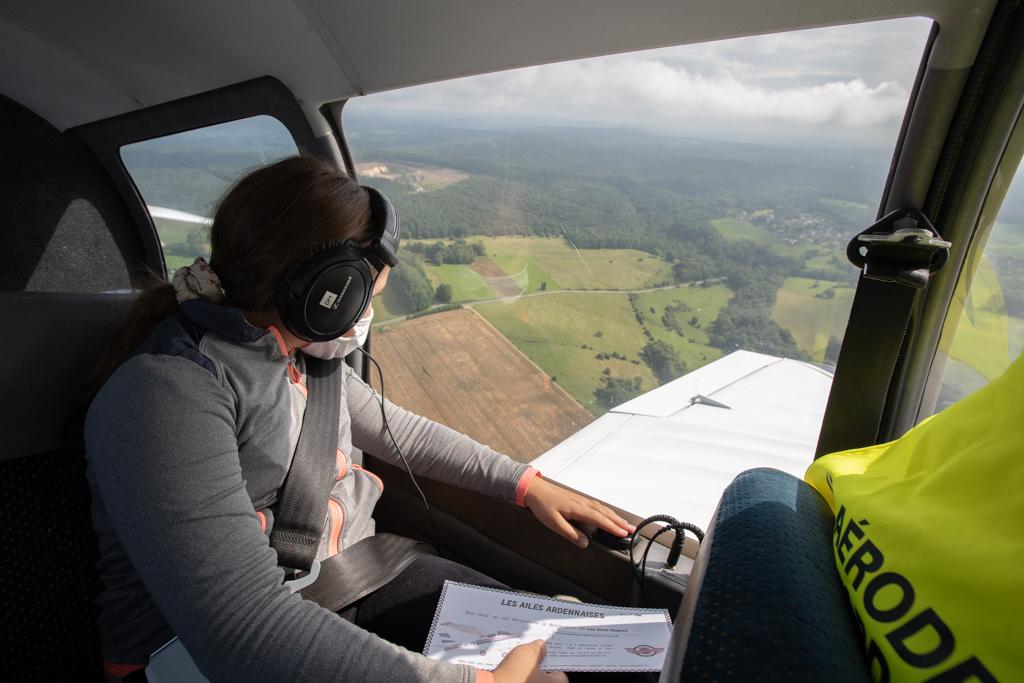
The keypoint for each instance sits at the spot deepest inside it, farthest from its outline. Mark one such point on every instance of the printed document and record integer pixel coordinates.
(479, 626)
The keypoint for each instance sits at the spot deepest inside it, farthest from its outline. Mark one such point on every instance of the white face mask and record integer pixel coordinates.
(343, 345)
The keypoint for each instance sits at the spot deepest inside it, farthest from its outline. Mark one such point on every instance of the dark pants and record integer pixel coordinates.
(401, 611)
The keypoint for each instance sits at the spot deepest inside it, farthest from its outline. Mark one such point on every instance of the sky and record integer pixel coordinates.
(839, 83)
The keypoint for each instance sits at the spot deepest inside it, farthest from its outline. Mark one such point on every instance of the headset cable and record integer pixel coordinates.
(398, 449)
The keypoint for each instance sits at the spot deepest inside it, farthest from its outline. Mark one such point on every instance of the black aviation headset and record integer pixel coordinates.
(323, 295)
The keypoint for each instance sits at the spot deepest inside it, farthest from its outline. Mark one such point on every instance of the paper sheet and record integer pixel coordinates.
(478, 626)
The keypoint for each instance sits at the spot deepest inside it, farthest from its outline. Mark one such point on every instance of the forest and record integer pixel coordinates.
(631, 190)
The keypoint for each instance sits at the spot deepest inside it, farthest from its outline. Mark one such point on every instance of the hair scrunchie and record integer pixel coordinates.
(197, 280)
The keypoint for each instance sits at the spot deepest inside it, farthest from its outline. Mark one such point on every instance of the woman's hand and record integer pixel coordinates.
(521, 665)
(554, 507)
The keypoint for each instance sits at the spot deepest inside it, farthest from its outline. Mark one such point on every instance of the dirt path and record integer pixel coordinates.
(495, 277)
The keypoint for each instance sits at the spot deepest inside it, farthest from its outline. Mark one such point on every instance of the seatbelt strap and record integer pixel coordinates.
(302, 505)
(897, 256)
(363, 568)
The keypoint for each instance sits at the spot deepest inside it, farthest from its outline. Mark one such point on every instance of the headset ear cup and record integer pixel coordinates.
(322, 296)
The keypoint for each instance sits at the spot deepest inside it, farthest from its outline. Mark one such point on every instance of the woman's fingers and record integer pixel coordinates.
(555, 507)
(560, 525)
(522, 665)
(525, 657)
(597, 516)
(608, 512)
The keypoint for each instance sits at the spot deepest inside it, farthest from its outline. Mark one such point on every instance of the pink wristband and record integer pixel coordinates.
(524, 485)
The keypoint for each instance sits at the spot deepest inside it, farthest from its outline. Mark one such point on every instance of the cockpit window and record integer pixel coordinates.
(182, 176)
(582, 235)
(985, 329)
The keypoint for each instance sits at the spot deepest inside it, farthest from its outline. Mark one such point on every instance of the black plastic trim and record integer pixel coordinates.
(332, 112)
(962, 166)
(907, 116)
(979, 134)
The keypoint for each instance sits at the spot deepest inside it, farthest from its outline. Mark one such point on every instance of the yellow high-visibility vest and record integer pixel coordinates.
(929, 539)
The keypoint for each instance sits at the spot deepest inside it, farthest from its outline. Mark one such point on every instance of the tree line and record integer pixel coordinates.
(458, 251)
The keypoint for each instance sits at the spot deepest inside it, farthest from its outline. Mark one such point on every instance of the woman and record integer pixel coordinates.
(190, 439)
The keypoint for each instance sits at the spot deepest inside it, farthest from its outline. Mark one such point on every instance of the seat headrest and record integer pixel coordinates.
(50, 342)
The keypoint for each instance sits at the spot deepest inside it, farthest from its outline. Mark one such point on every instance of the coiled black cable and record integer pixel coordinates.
(671, 524)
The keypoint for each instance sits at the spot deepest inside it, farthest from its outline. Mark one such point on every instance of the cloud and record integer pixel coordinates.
(849, 77)
(650, 87)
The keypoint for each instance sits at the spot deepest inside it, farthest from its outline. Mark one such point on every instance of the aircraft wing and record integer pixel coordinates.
(674, 449)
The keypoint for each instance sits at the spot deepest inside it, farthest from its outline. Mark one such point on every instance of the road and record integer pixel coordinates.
(516, 297)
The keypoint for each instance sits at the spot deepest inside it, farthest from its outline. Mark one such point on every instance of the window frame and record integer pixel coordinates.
(217, 133)
(264, 96)
(973, 150)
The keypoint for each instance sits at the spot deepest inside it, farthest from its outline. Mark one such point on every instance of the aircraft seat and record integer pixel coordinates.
(765, 601)
(66, 234)
(48, 580)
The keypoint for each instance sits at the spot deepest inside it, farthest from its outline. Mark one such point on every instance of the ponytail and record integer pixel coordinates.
(156, 302)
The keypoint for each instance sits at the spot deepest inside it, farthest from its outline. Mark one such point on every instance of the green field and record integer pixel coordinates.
(812, 320)
(551, 259)
(174, 262)
(986, 338)
(828, 261)
(704, 304)
(466, 283)
(525, 271)
(528, 265)
(739, 229)
(844, 204)
(553, 329)
(533, 262)
(174, 234)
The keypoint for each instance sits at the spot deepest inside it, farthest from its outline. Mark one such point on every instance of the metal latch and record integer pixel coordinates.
(902, 247)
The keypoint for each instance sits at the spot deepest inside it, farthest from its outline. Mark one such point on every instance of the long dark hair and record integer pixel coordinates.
(266, 222)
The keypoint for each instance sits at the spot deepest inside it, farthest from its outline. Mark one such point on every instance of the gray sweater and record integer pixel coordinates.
(188, 443)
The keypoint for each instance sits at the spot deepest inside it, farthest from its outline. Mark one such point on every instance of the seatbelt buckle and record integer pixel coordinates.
(903, 247)
(296, 584)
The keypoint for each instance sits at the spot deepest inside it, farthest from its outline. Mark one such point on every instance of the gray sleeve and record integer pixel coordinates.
(433, 450)
(163, 454)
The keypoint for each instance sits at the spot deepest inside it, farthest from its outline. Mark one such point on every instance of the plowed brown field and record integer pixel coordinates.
(455, 368)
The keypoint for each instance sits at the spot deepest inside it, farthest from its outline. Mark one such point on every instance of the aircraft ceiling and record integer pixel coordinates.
(75, 62)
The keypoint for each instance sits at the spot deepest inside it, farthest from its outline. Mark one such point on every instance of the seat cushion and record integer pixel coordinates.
(48, 579)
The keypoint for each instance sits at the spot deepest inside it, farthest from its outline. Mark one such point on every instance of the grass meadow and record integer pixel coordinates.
(986, 339)
(174, 233)
(550, 259)
(739, 229)
(704, 303)
(563, 333)
(466, 283)
(811, 319)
